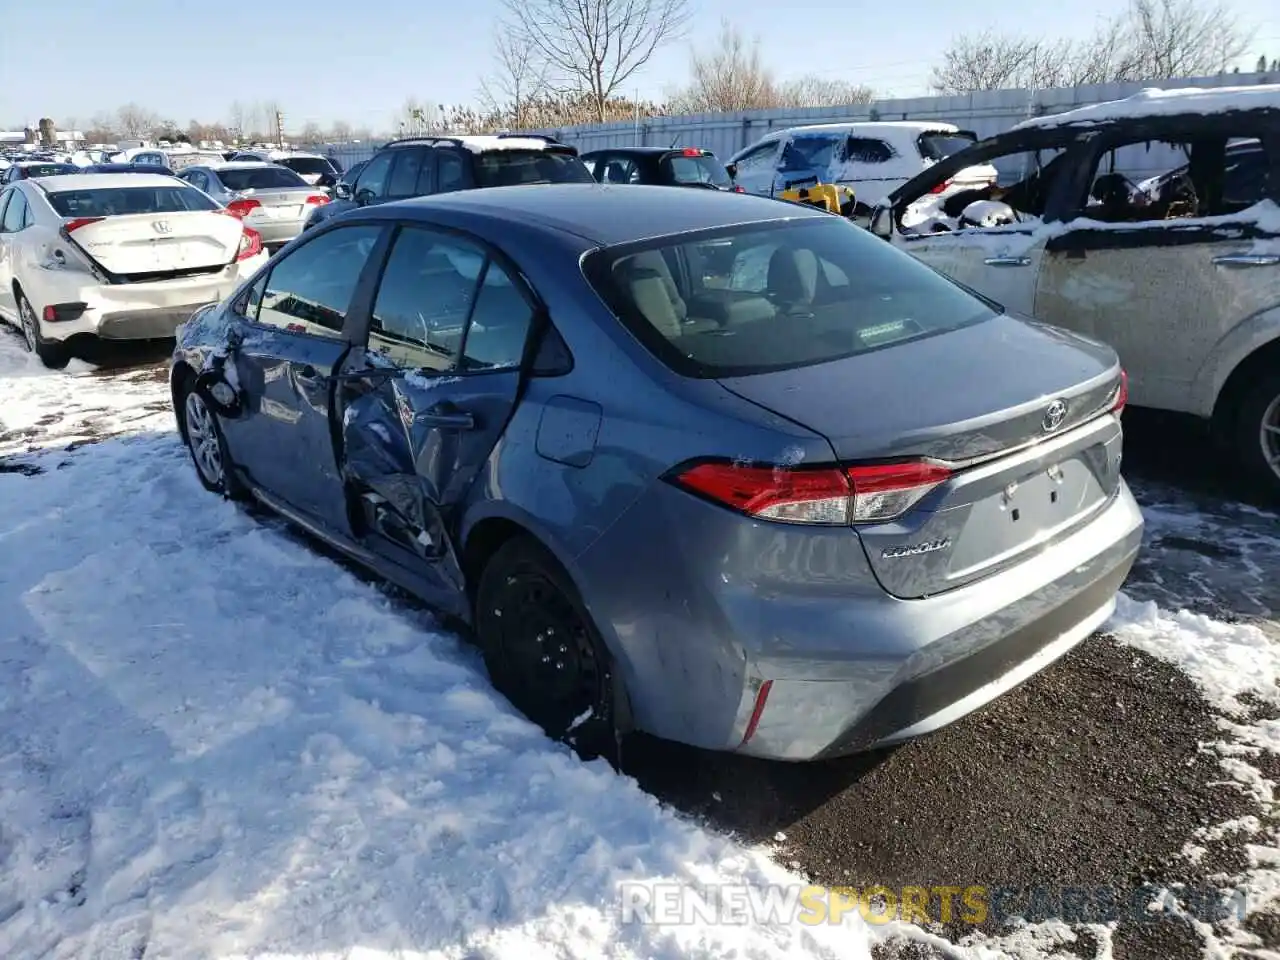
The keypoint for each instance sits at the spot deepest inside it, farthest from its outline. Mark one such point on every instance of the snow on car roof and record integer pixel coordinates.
(483, 144)
(105, 181)
(1154, 101)
(878, 126)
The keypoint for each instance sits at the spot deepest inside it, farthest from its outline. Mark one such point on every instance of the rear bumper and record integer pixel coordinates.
(277, 232)
(847, 666)
(133, 311)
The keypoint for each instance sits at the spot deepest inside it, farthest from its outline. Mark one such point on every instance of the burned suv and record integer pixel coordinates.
(1151, 223)
(420, 166)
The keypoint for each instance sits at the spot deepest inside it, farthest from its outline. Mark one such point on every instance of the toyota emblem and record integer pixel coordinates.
(1054, 416)
(161, 226)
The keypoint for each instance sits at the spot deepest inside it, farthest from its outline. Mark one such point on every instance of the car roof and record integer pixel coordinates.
(44, 163)
(647, 151)
(241, 165)
(479, 143)
(99, 181)
(1157, 102)
(871, 128)
(605, 214)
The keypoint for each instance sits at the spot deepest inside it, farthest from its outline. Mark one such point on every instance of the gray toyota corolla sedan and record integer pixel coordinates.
(727, 470)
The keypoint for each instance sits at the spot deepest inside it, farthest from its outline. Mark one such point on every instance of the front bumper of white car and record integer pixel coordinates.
(130, 311)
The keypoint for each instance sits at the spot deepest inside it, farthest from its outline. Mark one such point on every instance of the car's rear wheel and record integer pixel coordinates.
(1258, 432)
(542, 650)
(52, 353)
(207, 445)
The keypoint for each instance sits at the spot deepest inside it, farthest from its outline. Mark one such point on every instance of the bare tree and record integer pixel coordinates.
(102, 128)
(340, 132)
(1151, 40)
(237, 117)
(135, 122)
(595, 46)
(727, 78)
(517, 77)
(814, 91)
(311, 133)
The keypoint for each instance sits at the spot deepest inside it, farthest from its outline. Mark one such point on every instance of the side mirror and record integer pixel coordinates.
(342, 190)
(731, 169)
(365, 197)
(882, 222)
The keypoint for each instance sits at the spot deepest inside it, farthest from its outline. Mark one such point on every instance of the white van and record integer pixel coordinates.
(872, 158)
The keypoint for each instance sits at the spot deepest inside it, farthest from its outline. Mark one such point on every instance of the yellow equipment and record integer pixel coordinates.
(832, 197)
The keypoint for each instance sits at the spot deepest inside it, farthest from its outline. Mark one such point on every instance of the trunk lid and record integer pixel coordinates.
(977, 398)
(285, 203)
(159, 243)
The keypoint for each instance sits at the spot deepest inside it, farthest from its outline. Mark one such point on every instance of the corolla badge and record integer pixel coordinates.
(915, 549)
(1054, 415)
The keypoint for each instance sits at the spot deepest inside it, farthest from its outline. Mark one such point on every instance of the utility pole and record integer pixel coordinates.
(280, 129)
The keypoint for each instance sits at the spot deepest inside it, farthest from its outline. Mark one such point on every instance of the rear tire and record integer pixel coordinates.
(1257, 433)
(52, 353)
(542, 650)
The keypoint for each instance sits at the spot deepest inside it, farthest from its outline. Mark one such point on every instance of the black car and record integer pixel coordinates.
(26, 169)
(660, 166)
(420, 166)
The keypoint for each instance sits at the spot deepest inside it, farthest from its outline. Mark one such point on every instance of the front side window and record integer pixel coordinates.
(757, 158)
(450, 172)
(812, 152)
(760, 297)
(697, 169)
(372, 182)
(620, 170)
(443, 305)
(940, 144)
(310, 290)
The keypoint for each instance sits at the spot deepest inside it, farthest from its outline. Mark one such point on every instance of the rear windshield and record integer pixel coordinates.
(49, 169)
(260, 178)
(939, 145)
(507, 168)
(697, 170)
(308, 164)
(761, 297)
(117, 201)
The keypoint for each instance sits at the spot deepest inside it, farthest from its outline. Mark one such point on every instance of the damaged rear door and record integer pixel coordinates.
(426, 395)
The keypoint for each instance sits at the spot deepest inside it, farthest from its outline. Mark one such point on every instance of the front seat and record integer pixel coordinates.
(654, 292)
(615, 172)
(793, 277)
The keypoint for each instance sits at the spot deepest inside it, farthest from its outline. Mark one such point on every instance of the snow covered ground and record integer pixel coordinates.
(215, 742)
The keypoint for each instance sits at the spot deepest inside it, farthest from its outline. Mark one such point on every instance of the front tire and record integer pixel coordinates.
(207, 446)
(542, 650)
(1257, 437)
(52, 353)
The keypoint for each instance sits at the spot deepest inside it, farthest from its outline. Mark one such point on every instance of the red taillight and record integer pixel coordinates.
(73, 225)
(830, 495)
(1122, 395)
(739, 189)
(242, 208)
(250, 245)
(941, 187)
(317, 198)
(691, 152)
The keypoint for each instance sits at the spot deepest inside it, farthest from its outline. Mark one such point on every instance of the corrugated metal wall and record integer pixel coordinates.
(985, 113)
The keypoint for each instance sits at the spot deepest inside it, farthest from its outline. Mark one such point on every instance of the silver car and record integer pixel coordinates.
(271, 199)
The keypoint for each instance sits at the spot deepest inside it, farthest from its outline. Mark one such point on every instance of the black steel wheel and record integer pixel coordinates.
(542, 650)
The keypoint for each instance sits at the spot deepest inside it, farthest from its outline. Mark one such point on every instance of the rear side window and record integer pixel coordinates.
(683, 169)
(506, 168)
(938, 145)
(761, 297)
(260, 178)
(120, 201)
(864, 150)
(15, 215)
(310, 290)
(405, 170)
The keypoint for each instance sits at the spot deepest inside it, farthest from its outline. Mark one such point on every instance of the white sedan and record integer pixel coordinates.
(120, 256)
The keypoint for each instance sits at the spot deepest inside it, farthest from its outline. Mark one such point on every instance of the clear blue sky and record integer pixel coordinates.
(326, 60)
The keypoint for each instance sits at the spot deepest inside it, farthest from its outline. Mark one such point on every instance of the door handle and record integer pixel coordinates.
(447, 416)
(1007, 261)
(1247, 260)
